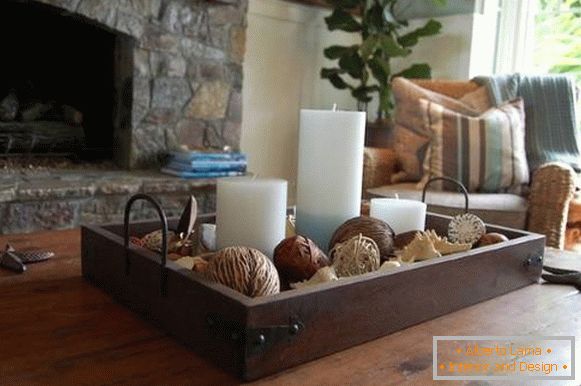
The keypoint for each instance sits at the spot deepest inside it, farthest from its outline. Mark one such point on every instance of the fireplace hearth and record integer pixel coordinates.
(99, 92)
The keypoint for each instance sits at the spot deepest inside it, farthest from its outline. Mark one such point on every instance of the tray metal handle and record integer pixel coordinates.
(460, 186)
(164, 232)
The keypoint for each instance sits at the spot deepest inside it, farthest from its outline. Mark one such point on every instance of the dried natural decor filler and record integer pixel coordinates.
(427, 245)
(370, 227)
(298, 258)
(323, 275)
(465, 228)
(356, 256)
(246, 270)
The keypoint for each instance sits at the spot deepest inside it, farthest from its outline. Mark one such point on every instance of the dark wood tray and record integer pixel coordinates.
(254, 337)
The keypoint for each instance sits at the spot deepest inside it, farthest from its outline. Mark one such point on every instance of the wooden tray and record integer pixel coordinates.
(254, 337)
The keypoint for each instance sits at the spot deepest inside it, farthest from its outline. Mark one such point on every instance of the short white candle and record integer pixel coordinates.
(251, 213)
(330, 171)
(401, 215)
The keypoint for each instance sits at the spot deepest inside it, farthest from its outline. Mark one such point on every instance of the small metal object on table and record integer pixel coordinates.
(16, 260)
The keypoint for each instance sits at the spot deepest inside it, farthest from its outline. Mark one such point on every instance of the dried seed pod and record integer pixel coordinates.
(402, 239)
(371, 227)
(246, 270)
(491, 238)
(297, 258)
(466, 228)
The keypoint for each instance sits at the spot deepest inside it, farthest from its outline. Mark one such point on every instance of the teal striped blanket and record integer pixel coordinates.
(550, 117)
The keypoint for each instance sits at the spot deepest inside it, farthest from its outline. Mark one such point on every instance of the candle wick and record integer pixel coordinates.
(334, 106)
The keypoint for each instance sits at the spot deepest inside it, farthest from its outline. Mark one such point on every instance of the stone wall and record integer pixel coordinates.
(181, 68)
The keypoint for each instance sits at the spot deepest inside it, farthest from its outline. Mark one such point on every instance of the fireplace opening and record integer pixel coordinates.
(57, 84)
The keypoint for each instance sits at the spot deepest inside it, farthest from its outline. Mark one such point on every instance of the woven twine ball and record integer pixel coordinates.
(370, 227)
(356, 256)
(152, 240)
(245, 270)
(298, 258)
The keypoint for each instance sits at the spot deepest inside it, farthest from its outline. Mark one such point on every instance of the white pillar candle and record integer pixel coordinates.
(330, 171)
(401, 215)
(251, 213)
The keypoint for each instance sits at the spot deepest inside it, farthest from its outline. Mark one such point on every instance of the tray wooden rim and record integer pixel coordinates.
(249, 302)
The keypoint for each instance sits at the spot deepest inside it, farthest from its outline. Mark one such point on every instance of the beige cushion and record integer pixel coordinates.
(411, 132)
(503, 209)
(485, 153)
(410, 148)
(478, 99)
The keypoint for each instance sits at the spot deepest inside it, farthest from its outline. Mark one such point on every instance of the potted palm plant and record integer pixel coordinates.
(365, 69)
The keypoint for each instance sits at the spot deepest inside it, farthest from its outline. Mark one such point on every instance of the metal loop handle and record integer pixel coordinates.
(461, 187)
(164, 232)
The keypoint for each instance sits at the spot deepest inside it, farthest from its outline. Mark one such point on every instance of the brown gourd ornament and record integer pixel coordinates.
(298, 258)
(379, 231)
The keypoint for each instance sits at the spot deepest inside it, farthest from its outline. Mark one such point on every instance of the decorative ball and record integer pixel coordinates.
(466, 228)
(378, 230)
(245, 270)
(492, 238)
(152, 240)
(298, 258)
(136, 241)
(356, 256)
(401, 240)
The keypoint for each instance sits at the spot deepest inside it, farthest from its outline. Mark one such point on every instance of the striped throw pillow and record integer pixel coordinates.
(485, 153)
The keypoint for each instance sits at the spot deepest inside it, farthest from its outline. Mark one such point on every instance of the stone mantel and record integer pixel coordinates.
(180, 70)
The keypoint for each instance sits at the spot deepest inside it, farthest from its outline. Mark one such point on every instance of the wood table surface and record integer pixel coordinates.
(57, 329)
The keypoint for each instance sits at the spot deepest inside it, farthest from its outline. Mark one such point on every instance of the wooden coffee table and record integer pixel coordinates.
(57, 329)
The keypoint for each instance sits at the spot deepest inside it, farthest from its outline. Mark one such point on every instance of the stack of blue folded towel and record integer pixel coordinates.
(201, 164)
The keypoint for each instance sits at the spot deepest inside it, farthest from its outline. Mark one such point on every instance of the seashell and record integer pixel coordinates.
(466, 228)
(356, 256)
(370, 227)
(444, 246)
(323, 275)
(389, 265)
(421, 248)
(246, 270)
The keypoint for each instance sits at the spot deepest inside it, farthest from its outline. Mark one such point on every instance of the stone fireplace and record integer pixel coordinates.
(139, 77)
(121, 82)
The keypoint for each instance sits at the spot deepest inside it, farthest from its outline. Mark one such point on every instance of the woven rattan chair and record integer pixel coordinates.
(551, 190)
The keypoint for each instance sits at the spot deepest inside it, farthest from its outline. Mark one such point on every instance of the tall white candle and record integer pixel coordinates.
(251, 213)
(401, 215)
(330, 171)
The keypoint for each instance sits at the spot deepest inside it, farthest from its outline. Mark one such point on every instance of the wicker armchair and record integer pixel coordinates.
(551, 190)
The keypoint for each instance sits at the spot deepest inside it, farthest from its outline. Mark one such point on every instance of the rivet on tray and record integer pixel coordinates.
(260, 340)
(294, 328)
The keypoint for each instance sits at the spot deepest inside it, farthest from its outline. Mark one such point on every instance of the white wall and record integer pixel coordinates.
(284, 55)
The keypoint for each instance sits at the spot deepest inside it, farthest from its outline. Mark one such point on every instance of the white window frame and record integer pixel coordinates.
(515, 36)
